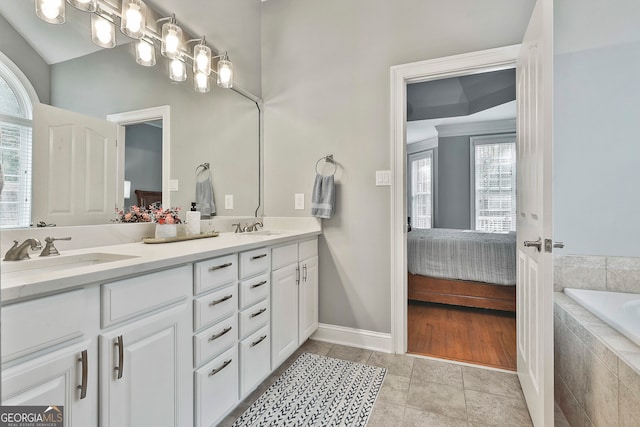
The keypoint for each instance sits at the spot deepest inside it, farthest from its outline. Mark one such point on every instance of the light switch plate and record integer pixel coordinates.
(383, 178)
(299, 205)
(173, 185)
(228, 201)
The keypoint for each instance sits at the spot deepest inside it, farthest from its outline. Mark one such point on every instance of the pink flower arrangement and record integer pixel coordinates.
(135, 214)
(166, 216)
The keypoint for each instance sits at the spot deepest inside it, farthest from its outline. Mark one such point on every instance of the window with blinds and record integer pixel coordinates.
(495, 183)
(421, 175)
(15, 151)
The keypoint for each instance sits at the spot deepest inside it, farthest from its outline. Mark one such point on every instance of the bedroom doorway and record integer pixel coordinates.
(461, 215)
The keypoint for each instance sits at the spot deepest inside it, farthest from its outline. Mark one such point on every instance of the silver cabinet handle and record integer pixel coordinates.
(120, 344)
(258, 313)
(255, 343)
(534, 244)
(221, 266)
(218, 335)
(84, 359)
(264, 282)
(216, 370)
(258, 256)
(297, 275)
(218, 301)
(304, 273)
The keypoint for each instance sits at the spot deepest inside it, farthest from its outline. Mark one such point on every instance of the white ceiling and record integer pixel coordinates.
(419, 130)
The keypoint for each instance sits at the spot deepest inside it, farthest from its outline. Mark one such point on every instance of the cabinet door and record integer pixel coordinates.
(308, 296)
(145, 372)
(53, 380)
(284, 313)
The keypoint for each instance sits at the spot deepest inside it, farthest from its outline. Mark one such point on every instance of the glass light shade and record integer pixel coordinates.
(85, 5)
(103, 32)
(171, 40)
(145, 53)
(177, 70)
(202, 59)
(225, 73)
(51, 11)
(134, 18)
(201, 82)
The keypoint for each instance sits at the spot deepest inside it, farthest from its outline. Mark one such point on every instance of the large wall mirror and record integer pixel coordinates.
(220, 128)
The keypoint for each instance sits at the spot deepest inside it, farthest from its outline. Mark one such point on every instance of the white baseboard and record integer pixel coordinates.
(360, 338)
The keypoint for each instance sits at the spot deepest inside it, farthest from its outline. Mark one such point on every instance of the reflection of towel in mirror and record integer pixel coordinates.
(204, 196)
(323, 197)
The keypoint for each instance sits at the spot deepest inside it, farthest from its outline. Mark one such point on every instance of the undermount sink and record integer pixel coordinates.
(57, 263)
(261, 233)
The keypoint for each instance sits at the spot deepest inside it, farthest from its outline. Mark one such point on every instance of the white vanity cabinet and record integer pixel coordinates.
(145, 372)
(294, 297)
(50, 354)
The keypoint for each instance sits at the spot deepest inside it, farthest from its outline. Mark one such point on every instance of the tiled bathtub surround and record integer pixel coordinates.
(604, 273)
(597, 370)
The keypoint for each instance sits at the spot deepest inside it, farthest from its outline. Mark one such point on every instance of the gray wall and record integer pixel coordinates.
(454, 199)
(596, 127)
(143, 159)
(325, 81)
(22, 54)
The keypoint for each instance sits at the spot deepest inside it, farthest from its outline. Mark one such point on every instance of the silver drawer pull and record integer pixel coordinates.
(255, 343)
(264, 282)
(258, 313)
(258, 256)
(218, 267)
(218, 301)
(224, 365)
(216, 336)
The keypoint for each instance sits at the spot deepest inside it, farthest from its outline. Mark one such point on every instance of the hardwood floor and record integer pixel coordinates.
(473, 335)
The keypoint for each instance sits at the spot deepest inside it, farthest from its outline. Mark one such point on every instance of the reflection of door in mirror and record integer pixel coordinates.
(66, 190)
(143, 161)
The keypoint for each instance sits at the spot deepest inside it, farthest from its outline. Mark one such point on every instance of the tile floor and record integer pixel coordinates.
(423, 392)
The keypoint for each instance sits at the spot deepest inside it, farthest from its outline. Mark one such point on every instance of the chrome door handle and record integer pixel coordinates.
(84, 360)
(534, 243)
(218, 301)
(258, 257)
(216, 370)
(218, 335)
(264, 282)
(120, 344)
(218, 267)
(258, 313)
(255, 343)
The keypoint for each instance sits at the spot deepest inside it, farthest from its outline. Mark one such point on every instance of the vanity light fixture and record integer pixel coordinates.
(171, 38)
(134, 18)
(84, 5)
(225, 72)
(51, 11)
(202, 58)
(103, 31)
(145, 53)
(201, 82)
(177, 70)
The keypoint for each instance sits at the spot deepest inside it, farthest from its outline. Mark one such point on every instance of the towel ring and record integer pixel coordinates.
(328, 159)
(205, 167)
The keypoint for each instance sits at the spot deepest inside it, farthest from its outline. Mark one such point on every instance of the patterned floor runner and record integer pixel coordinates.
(317, 391)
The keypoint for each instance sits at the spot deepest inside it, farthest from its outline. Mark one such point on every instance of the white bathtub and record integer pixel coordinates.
(621, 311)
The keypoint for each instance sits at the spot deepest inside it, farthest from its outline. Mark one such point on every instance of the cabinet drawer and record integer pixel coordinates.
(216, 386)
(284, 255)
(254, 262)
(214, 340)
(308, 249)
(35, 325)
(254, 290)
(214, 273)
(255, 364)
(132, 297)
(254, 317)
(215, 306)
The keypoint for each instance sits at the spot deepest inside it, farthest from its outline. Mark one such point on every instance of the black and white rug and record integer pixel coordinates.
(317, 391)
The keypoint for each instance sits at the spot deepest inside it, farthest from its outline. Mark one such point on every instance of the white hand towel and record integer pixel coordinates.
(323, 197)
(204, 196)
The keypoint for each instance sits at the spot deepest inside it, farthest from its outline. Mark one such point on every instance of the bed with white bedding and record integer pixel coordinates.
(462, 267)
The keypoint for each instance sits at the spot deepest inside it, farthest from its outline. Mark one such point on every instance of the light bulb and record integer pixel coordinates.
(134, 18)
(225, 74)
(103, 31)
(144, 51)
(201, 82)
(51, 8)
(202, 62)
(177, 71)
(172, 41)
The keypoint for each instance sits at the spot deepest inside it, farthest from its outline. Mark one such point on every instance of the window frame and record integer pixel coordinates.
(474, 141)
(422, 154)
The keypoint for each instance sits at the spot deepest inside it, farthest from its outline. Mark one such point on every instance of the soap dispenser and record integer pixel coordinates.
(193, 220)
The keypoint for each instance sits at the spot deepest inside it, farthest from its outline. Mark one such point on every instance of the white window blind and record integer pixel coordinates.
(495, 186)
(421, 166)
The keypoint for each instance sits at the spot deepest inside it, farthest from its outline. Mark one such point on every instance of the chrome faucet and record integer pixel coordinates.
(254, 226)
(20, 252)
(49, 249)
(240, 228)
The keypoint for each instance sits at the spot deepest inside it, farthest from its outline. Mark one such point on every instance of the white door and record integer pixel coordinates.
(151, 385)
(74, 167)
(308, 306)
(535, 265)
(284, 313)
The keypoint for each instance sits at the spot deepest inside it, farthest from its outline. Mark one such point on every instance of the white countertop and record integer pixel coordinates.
(148, 257)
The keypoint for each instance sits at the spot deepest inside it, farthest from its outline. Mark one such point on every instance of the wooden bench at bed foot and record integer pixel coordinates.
(460, 292)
